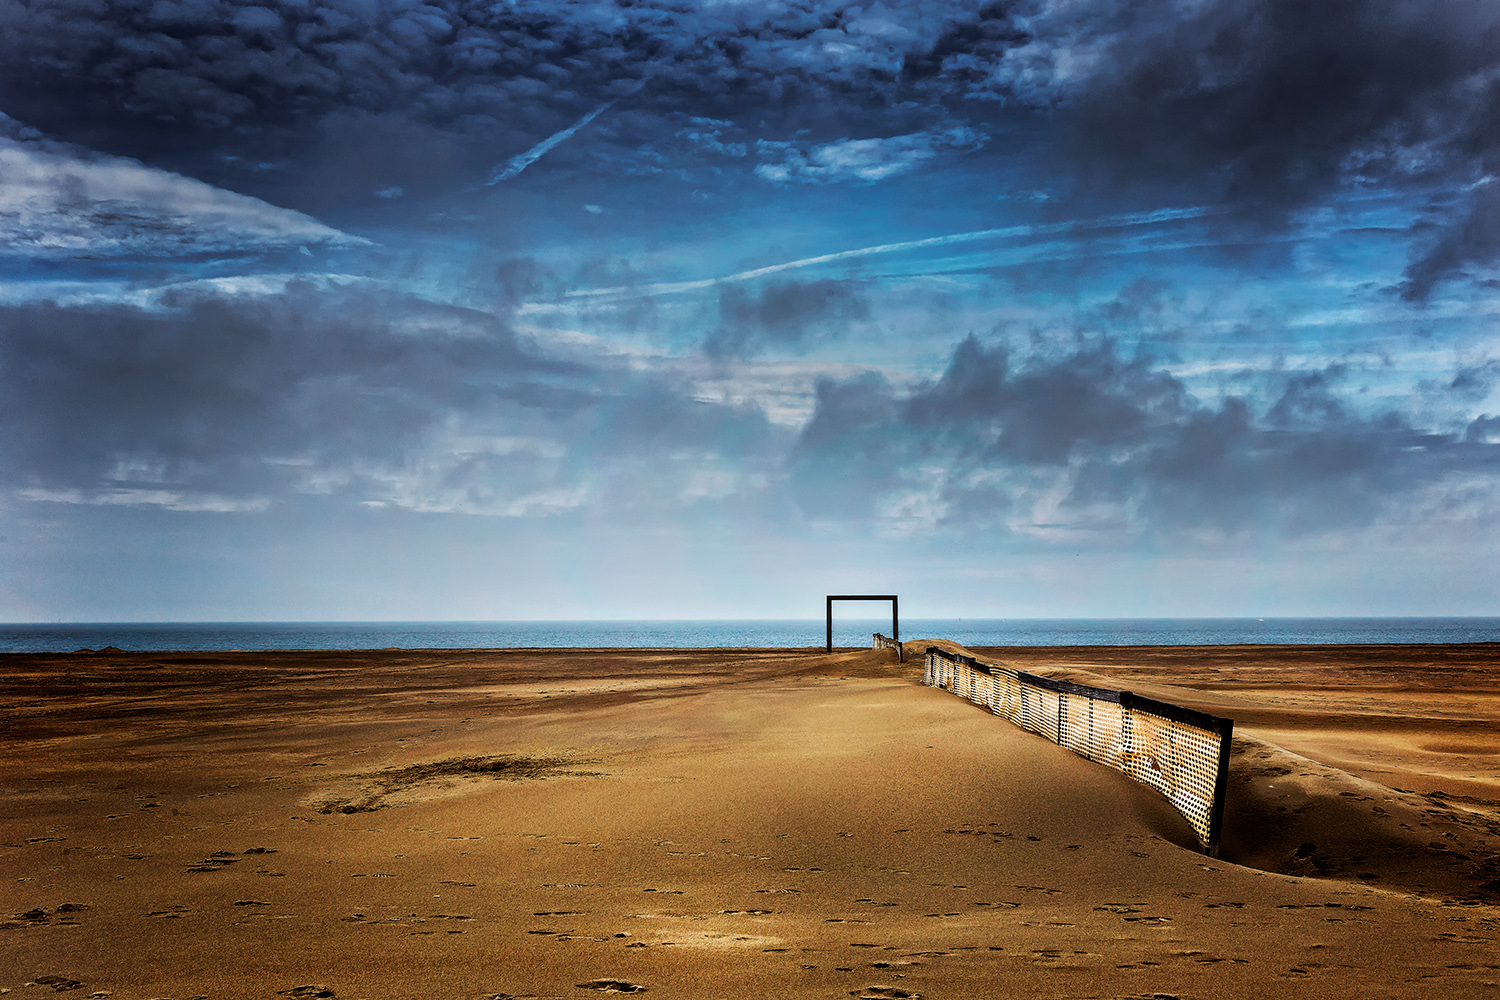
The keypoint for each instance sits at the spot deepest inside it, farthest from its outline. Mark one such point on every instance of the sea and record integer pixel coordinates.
(701, 634)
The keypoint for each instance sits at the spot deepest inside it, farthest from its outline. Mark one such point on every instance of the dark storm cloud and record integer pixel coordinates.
(224, 402)
(967, 54)
(1471, 237)
(1269, 106)
(1120, 438)
(1274, 106)
(652, 415)
(782, 314)
(1042, 413)
(285, 88)
(246, 394)
(850, 452)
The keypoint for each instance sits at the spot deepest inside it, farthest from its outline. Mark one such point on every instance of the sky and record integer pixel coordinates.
(385, 310)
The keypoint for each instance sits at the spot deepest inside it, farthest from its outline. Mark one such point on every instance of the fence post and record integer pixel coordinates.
(1221, 789)
(1092, 751)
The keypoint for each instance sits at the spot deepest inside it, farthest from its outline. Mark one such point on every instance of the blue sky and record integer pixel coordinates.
(386, 310)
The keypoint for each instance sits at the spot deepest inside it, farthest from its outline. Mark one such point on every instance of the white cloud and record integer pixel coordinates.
(160, 296)
(169, 499)
(62, 201)
(866, 160)
(714, 136)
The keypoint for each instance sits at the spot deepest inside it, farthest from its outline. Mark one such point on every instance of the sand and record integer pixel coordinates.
(734, 823)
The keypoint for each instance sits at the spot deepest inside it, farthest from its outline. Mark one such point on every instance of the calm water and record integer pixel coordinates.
(695, 634)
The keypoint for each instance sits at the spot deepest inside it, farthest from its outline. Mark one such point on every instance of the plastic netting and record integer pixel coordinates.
(1181, 753)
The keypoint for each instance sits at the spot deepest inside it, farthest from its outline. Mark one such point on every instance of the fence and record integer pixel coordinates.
(881, 642)
(1180, 752)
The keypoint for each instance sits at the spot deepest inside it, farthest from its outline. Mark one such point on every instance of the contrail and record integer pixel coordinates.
(1041, 229)
(516, 164)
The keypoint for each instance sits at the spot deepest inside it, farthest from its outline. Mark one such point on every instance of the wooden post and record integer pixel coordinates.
(1221, 788)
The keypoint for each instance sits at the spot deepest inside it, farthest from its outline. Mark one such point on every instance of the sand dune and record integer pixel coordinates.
(732, 823)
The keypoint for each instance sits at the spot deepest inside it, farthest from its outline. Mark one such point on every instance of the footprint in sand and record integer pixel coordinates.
(59, 983)
(40, 916)
(611, 986)
(170, 913)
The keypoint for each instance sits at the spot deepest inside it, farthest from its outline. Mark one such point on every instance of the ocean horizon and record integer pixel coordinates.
(58, 637)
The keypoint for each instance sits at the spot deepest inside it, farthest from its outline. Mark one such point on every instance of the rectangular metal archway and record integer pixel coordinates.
(895, 619)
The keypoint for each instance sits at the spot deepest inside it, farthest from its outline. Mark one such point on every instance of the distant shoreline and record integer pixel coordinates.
(913, 647)
(849, 632)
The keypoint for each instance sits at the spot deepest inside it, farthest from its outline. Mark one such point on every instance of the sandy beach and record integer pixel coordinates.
(735, 823)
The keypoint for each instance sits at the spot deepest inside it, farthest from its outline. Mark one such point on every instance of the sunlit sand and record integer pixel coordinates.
(735, 823)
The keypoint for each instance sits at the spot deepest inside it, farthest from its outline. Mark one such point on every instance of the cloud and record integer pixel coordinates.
(713, 136)
(1086, 439)
(248, 395)
(1470, 237)
(851, 453)
(165, 499)
(213, 401)
(782, 314)
(1273, 107)
(1043, 414)
(866, 160)
(59, 201)
(274, 82)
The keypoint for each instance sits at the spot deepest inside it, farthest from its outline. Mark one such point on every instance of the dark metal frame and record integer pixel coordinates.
(895, 621)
